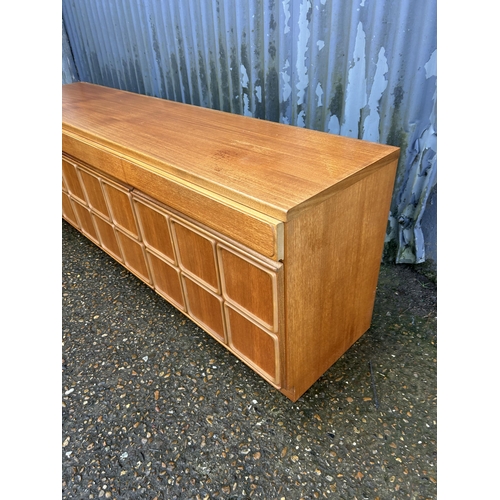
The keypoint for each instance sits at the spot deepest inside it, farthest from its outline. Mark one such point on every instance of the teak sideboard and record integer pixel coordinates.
(267, 236)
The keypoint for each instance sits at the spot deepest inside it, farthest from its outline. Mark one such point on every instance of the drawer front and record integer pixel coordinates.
(256, 231)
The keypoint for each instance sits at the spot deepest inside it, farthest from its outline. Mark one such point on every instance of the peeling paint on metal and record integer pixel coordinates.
(301, 64)
(69, 72)
(431, 65)
(372, 121)
(319, 94)
(244, 81)
(258, 93)
(286, 89)
(356, 87)
(301, 122)
(356, 68)
(418, 181)
(333, 125)
(286, 10)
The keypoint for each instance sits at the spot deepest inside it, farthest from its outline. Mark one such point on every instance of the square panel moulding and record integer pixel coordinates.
(267, 236)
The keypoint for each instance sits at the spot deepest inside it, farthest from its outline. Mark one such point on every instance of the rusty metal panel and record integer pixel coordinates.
(359, 68)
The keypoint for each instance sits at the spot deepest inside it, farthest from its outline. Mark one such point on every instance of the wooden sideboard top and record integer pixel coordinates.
(273, 168)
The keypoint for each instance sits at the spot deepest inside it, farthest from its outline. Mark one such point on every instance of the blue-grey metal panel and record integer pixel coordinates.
(69, 73)
(359, 68)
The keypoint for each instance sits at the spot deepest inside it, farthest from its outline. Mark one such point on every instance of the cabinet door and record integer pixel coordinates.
(252, 290)
(229, 290)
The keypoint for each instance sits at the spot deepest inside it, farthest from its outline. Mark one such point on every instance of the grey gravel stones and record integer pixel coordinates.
(154, 408)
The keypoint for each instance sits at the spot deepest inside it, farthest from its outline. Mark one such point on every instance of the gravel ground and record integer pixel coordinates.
(154, 408)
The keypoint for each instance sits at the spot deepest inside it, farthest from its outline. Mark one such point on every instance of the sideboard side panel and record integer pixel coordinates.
(333, 253)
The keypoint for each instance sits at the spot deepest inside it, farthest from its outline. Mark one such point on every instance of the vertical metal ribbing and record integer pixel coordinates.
(354, 67)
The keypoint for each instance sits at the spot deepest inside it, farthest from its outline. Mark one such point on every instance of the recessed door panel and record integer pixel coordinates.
(155, 230)
(120, 205)
(72, 181)
(250, 286)
(196, 255)
(108, 238)
(204, 307)
(68, 212)
(87, 226)
(95, 195)
(166, 280)
(134, 256)
(257, 346)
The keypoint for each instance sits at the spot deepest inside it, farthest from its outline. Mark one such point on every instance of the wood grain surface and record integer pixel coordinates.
(268, 236)
(332, 255)
(258, 231)
(155, 229)
(270, 167)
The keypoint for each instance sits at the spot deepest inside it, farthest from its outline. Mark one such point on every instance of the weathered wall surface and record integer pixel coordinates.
(359, 68)
(69, 72)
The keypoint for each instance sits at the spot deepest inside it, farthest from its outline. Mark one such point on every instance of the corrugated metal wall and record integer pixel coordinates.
(359, 68)
(69, 72)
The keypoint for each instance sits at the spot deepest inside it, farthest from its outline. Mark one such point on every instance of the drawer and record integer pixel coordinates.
(259, 232)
